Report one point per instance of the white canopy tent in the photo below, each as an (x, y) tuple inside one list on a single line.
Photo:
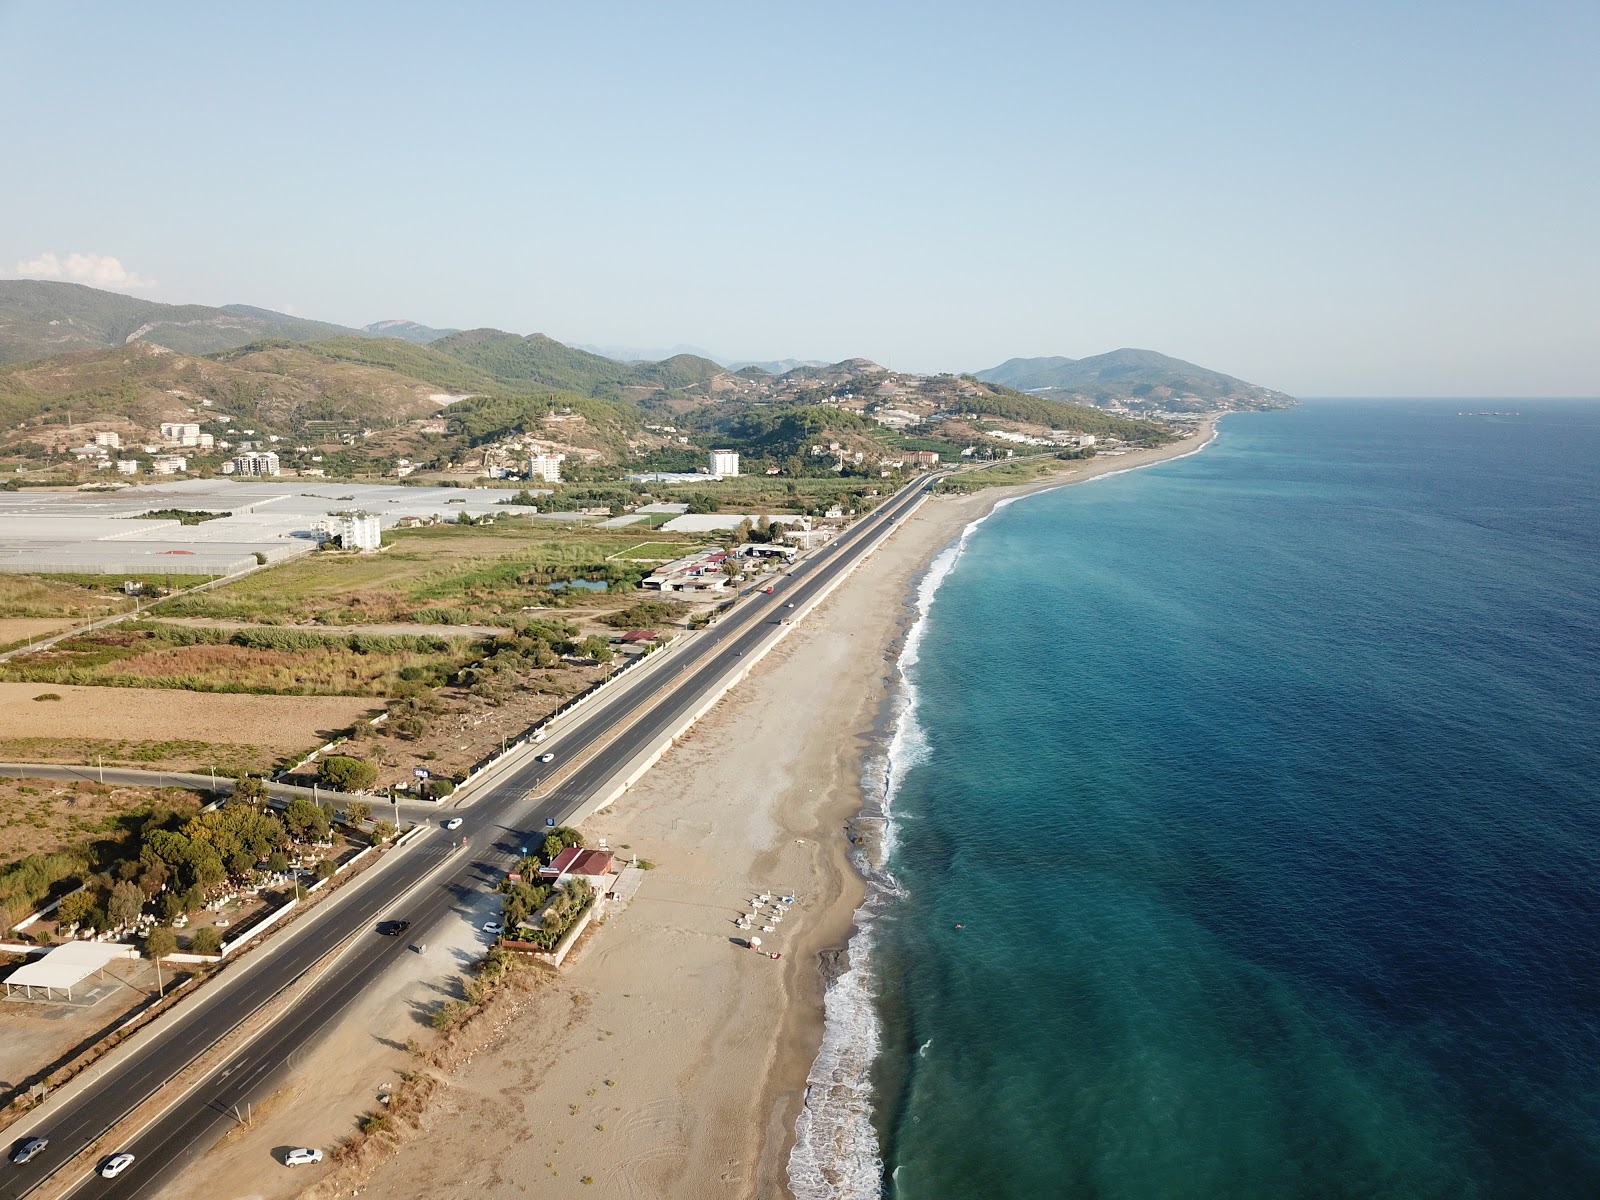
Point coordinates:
[(63, 968)]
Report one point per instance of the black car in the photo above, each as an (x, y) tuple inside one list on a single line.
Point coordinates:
[(393, 928), (28, 1149)]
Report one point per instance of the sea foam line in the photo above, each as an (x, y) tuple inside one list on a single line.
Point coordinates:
[(836, 1155)]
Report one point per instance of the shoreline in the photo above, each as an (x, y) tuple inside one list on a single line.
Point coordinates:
[(963, 515), (666, 1060)]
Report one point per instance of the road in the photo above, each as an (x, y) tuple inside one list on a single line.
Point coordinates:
[(220, 785), (423, 883)]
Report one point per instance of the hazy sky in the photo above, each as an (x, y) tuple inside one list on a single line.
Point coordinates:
[(1355, 198)]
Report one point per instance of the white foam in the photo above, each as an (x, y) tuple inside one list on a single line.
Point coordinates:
[(836, 1155)]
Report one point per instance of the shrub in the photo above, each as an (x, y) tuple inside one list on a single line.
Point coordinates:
[(325, 869), (160, 942), (48, 696), (205, 941), (347, 774)]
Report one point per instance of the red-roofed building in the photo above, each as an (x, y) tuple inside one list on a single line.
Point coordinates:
[(592, 866), (639, 635)]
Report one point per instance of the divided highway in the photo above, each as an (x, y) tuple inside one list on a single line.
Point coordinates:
[(423, 883)]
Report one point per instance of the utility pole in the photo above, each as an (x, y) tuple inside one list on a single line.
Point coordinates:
[(101, 760), (161, 987)]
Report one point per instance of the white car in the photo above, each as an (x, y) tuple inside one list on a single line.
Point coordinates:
[(116, 1165), (453, 823), (493, 927), (302, 1157), (547, 757)]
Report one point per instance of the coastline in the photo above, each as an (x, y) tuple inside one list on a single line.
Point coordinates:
[(667, 1060)]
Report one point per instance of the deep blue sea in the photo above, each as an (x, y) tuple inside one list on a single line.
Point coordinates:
[(1246, 832)]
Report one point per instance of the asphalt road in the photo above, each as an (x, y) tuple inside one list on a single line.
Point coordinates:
[(423, 883)]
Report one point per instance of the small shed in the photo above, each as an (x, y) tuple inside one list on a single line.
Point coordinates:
[(63, 968)]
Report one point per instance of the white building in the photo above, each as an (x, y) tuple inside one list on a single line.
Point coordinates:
[(180, 432), (546, 467), (109, 438), (724, 463), (168, 464), (128, 466), (260, 462), (355, 530)]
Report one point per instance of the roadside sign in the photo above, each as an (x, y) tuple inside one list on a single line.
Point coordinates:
[(550, 821), (420, 772)]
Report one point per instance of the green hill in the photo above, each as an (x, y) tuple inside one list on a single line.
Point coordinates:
[(41, 318), (420, 362), (278, 384), (406, 331), (1136, 379), (537, 361)]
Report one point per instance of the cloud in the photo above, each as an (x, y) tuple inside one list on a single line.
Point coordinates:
[(96, 270)]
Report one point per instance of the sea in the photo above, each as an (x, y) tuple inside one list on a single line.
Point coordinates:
[(1243, 831)]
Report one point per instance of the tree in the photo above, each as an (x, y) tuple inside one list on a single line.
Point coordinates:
[(125, 905), (206, 941), (305, 819), (346, 773), (250, 789), (557, 840), (160, 942), (75, 909), (357, 812), (382, 831), (325, 869), (277, 862)]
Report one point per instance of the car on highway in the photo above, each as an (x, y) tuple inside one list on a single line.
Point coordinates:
[(453, 823), (767, 589), (116, 1165), (547, 757), (29, 1150), (791, 604), (302, 1157), (393, 928), (493, 927)]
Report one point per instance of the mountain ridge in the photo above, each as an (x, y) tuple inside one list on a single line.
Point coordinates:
[(1133, 378)]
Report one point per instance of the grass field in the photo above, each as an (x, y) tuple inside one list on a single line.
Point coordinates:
[(444, 575), (268, 661), (656, 552), (58, 596)]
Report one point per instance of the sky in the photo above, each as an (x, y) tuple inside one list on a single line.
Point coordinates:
[(1396, 198)]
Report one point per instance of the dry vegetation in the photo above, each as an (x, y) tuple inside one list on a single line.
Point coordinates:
[(49, 816), (168, 730), (58, 597), (269, 661)]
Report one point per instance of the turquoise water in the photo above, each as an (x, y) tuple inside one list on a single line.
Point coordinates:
[(1262, 786)]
